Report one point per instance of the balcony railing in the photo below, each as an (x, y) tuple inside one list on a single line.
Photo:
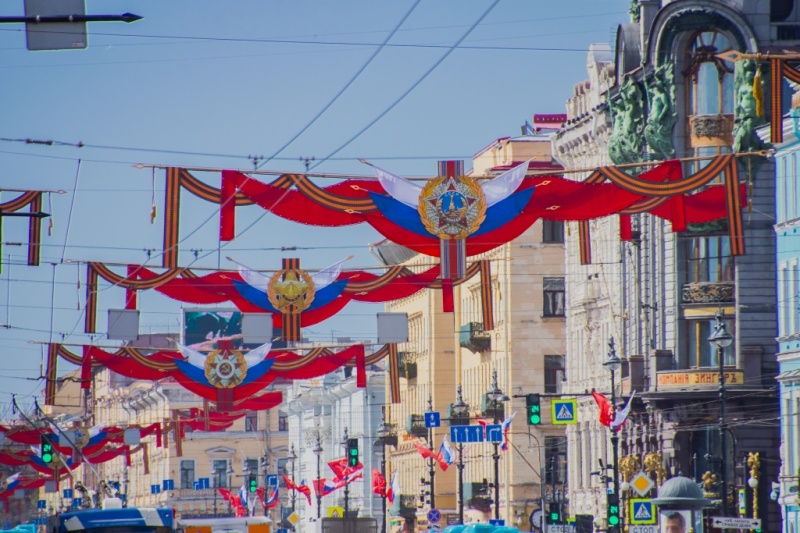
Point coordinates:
[(708, 292), (407, 365), (473, 337), (415, 426)]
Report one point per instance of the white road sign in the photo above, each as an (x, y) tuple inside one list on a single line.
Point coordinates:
[(732, 522), (643, 529)]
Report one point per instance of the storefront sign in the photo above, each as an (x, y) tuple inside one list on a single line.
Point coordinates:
[(692, 379)]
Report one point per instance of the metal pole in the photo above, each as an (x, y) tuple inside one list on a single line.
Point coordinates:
[(317, 488), (723, 429), (383, 473), (346, 485), (460, 483), (431, 465), (294, 492), (615, 441), (496, 457)]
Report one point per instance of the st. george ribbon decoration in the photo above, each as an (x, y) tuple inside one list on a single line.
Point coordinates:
[(295, 297), (456, 216), (231, 378)]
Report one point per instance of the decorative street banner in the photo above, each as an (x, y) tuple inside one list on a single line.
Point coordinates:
[(32, 200)]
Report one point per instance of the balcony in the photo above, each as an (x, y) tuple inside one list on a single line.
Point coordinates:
[(415, 426), (405, 505), (407, 365), (708, 292), (473, 337)]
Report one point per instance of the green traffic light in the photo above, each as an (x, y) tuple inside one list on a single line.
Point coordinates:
[(536, 419), (554, 517), (47, 458), (613, 520)]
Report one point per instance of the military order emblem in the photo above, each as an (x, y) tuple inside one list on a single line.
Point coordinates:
[(225, 369), (291, 290), (452, 208)]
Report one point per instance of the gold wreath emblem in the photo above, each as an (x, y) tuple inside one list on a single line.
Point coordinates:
[(225, 370), (291, 291), (452, 208), (81, 438)]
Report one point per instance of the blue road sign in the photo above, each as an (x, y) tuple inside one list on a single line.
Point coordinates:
[(41, 504), (494, 433), (434, 516), (497, 522), (563, 412), (68, 493), (272, 480), (433, 419), (155, 489), (168, 484), (205, 482), (461, 434), (197, 485), (76, 503), (642, 512)]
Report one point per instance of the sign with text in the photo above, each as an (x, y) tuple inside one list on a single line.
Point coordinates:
[(692, 379), (731, 522)]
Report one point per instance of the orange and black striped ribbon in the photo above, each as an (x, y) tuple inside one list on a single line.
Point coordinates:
[(35, 231), (291, 329), (176, 425), (394, 373), (585, 242), (90, 310), (130, 293), (776, 115), (172, 208), (734, 205), (51, 375), (487, 300)]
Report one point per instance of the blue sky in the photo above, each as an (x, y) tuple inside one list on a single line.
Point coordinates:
[(209, 83)]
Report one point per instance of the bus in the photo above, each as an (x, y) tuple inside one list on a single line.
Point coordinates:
[(113, 518), (246, 524)]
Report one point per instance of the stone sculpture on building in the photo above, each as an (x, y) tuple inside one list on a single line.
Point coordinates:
[(625, 144), (746, 120), (662, 115)]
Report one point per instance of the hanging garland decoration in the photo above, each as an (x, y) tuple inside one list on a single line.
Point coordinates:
[(322, 294), (32, 200), (455, 216), (93, 438), (225, 376)]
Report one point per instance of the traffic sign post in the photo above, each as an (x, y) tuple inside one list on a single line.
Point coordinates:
[(732, 522), (494, 433), (434, 516), (466, 434), (563, 412), (641, 511), (433, 419)]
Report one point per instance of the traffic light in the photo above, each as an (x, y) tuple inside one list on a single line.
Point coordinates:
[(554, 516), (532, 402), (352, 452), (613, 511), (253, 483), (46, 448)]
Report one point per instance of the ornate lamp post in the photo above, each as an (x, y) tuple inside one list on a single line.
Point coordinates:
[(292, 457), (265, 471), (385, 433), (720, 339), (460, 411), (318, 452), (613, 363), (496, 396), (229, 472), (347, 484)]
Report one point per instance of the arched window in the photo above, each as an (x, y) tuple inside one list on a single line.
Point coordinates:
[(709, 78)]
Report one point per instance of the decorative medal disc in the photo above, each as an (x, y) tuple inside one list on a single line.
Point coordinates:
[(291, 290), (227, 369), (452, 208)]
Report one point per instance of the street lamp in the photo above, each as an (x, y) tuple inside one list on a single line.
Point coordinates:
[(431, 463), (720, 339), (229, 471), (384, 433), (460, 411), (292, 457), (345, 441), (265, 471), (496, 396), (614, 363), (318, 452)]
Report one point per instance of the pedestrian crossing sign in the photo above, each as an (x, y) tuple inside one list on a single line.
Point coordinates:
[(641, 511), (563, 412)]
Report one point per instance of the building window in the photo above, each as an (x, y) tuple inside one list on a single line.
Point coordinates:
[(219, 473), (709, 259), (698, 349), (552, 231), (553, 297), (187, 474), (710, 78), (555, 460), (553, 373), (251, 421), (283, 422)]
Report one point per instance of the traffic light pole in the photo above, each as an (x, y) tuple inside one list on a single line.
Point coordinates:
[(431, 464), (347, 485)]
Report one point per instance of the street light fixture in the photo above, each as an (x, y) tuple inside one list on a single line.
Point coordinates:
[(496, 395), (614, 363), (720, 339), (460, 411), (292, 457), (318, 452), (385, 432)]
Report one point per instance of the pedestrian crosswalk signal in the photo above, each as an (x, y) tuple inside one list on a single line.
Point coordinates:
[(352, 452), (532, 402), (253, 483), (46, 449), (613, 510), (554, 517)]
